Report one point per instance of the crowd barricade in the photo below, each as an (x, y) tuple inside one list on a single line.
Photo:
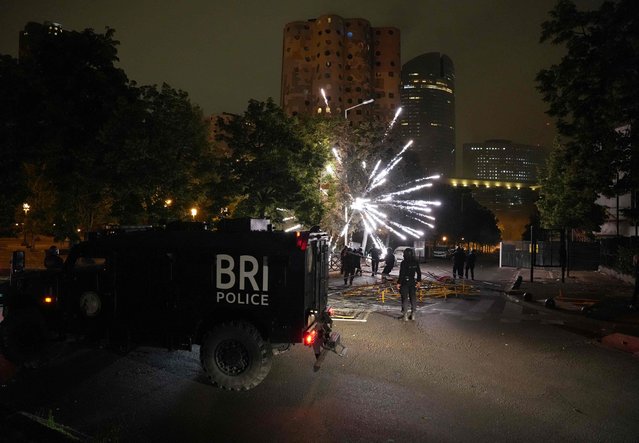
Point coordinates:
[(431, 286)]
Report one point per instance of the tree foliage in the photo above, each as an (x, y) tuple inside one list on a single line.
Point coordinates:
[(164, 135), (273, 162), (85, 146), (357, 151), (568, 193), (594, 95)]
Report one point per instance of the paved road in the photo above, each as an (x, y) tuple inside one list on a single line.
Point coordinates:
[(476, 368)]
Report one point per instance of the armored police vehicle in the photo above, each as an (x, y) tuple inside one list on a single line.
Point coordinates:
[(242, 292)]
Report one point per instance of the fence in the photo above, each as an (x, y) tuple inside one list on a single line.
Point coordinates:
[(582, 256)]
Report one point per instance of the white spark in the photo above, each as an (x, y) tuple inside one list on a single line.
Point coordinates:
[(324, 95), (293, 228), (337, 157), (370, 207)]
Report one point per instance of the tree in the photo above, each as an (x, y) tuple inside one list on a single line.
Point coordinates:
[(272, 163), (66, 88), (12, 180), (357, 150), (165, 136), (85, 146), (594, 95), (568, 193)]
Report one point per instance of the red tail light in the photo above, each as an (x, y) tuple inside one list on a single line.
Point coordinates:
[(310, 337), (302, 240)]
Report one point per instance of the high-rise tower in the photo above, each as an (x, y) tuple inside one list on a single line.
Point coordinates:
[(349, 60), (428, 115), (36, 31)]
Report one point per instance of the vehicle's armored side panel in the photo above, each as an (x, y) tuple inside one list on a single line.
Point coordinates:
[(239, 294), (176, 280)]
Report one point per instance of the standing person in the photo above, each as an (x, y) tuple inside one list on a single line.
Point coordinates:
[(459, 257), (342, 258), (635, 294), (358, 264), (470, 264), (374, 253), (409, 277), (390, 262), (349, 265)]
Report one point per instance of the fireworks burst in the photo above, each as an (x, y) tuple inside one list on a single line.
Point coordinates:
[(371, 207)]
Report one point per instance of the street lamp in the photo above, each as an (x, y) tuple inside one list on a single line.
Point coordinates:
[(25, 208), (370, 100), (193, 213)]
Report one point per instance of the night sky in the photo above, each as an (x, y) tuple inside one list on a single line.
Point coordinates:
[(224, 53)]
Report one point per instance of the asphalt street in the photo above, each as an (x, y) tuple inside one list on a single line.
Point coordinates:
[(474, 366)]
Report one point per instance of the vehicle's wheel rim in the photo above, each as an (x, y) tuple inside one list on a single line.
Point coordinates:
[(231, 357)]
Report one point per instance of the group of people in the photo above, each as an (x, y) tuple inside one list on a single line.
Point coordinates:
[(389, 261), (408, 280), (410, 274), (463, 261), (351, 262)]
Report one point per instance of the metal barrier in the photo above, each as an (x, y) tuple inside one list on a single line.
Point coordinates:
[(432, 286)]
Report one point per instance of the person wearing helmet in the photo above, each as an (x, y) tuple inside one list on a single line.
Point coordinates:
[(409, 279)]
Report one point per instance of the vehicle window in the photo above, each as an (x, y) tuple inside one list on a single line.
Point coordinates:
[(87, 263)]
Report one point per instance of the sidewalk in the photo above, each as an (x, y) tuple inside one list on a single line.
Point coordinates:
[(590, 300), (590, 303)]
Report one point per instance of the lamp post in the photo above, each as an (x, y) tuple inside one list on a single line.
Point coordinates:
[(370, 100), (193, 213), (25, 208)]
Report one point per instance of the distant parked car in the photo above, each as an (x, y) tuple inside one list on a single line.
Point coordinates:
[(441, 252), (399, 253)]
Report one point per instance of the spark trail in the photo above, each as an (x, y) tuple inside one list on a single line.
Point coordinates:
[(372, 207)]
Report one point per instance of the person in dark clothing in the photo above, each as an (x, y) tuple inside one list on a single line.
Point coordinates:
[(374, 253), (470, 264), (52, 259), (409, 277), (635, 294), (358, 264), (342, 258), (390, 262), (350, 262), (459, 257)]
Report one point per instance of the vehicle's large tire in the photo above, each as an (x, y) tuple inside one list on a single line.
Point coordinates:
[(235, 356), (23, 336)]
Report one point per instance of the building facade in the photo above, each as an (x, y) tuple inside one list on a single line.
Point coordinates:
[(348, 59), (503, 176), (502, 160), (428, 112), (34, 31)]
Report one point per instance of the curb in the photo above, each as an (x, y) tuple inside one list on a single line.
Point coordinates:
[(620, 341), (623, 342)]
